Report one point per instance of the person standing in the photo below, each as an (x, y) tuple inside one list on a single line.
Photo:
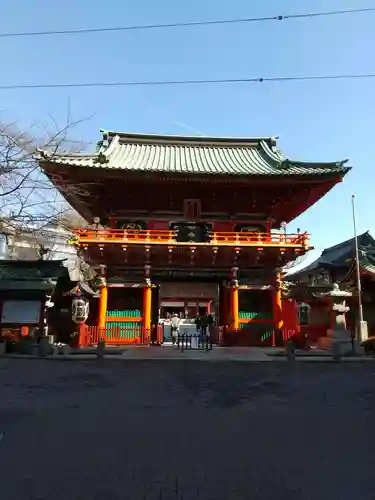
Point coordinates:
[(198, 322), (210, 322), (175, 324), (203, 326)]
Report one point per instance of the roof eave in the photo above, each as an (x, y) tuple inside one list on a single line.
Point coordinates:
[(336, 166)]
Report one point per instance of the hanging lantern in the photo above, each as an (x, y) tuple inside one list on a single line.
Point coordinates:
[(80, 309)]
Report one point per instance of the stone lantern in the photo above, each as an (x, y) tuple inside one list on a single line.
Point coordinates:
[(339, 339)]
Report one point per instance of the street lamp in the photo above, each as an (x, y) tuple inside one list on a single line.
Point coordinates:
[(362, 333)]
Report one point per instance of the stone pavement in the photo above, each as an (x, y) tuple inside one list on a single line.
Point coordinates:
[(216, 354), (123, 429)]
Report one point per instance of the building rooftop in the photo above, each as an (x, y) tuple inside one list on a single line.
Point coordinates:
[(31, 275), (25, 270), (194, 155), (341, 255)]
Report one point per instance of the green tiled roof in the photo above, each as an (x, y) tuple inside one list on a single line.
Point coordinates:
[(194, 155)]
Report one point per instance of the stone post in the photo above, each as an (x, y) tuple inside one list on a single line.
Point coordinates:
[(100, 350)]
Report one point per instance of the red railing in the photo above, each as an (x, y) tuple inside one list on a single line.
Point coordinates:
[(259, 239), (162, 237), (114, 335)]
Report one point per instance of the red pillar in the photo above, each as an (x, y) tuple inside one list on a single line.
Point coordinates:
[(102, 306), (235, 321), (277, 307), (147, 294), (235, 317), (147, 306)]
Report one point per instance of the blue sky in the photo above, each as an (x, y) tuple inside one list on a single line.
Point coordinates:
[(321, 120)]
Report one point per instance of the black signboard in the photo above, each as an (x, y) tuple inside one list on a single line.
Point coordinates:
[(195, 233)]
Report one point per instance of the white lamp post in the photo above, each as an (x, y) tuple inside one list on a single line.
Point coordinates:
[(362, 332)]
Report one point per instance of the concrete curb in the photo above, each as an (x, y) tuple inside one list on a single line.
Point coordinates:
[(189, 357)]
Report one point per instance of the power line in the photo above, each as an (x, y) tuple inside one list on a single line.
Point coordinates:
[(185, 24), (155, 83)]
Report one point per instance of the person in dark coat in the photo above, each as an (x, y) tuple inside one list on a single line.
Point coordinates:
[(201, 324)]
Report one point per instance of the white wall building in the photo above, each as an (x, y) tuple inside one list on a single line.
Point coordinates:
[(30, 243)]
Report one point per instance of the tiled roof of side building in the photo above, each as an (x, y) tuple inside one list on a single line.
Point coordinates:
[(338, 255), (194, 155), (31, 269)]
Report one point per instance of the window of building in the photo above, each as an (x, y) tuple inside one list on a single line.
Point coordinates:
[(21, 311)]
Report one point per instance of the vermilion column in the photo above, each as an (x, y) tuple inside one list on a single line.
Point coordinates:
[(147, 303), (103, 299), (235, 317), (277, 307), (234, 300)]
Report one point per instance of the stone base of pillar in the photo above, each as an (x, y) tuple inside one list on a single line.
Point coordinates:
[(358, 349)]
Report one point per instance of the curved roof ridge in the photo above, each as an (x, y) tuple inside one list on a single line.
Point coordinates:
[(48, 155), (273, 153), (186, 139), (107, 151), (349, 240)]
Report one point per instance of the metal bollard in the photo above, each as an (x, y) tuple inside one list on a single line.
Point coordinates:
[(290, 351), (44, 347), (3, 348)]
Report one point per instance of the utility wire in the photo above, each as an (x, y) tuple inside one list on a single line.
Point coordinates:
[(155, 83), (185, 24)]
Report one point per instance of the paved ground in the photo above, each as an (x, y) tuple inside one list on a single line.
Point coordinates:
[(122, 429), (216, 354)]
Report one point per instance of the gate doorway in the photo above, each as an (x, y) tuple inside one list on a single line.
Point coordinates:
[(187, 300)]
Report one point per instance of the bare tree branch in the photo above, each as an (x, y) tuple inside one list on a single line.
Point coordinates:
[(29, 203), (26, 194)]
